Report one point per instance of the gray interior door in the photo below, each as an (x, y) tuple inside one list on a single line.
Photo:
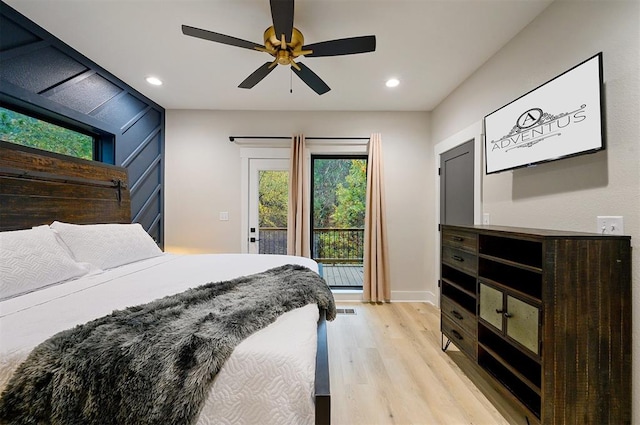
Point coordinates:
[(456, 185)]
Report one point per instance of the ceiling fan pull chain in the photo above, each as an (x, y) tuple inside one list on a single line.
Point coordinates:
[(290, 80)]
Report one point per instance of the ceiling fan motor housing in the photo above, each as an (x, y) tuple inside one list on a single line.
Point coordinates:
[(284, 54)]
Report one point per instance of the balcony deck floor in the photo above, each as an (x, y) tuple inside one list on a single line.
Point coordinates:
[(343, 275)]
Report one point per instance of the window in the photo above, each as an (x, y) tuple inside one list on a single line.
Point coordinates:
[(29, 131)]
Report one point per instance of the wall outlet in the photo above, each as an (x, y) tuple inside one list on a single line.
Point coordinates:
[(224, 216), (486, 218), (610, 225)]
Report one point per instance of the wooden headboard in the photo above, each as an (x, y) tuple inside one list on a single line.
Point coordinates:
[(38, 187)]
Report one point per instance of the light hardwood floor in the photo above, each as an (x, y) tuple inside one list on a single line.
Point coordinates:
[(387, 367)]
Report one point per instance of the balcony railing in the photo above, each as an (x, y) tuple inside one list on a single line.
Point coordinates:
[(329, 246), (273, 240), (333, 246)]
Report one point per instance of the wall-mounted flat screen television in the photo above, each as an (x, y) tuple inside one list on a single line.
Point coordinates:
[(558, 119)]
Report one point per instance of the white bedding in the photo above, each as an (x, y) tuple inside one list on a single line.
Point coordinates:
[(268, 379)]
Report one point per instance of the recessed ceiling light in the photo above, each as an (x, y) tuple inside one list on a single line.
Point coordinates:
[(392, 82), (154, 81)]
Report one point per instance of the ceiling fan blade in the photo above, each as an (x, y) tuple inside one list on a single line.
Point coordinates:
[(343, 46), (282, 15), (257, 75), (219, 38), (311, 79)]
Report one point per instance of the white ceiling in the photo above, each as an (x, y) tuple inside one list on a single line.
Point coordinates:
[(431, 46)]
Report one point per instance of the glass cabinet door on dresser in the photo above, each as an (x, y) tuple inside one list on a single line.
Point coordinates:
[(510, 316), (523, 322), (531, 307), (492, 306)]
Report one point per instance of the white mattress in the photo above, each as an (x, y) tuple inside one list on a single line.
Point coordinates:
[(268, 379)]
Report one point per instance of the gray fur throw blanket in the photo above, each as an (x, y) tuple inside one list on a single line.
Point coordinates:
[(154, 363)]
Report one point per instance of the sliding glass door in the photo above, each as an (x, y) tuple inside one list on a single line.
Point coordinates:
[(338, 193)]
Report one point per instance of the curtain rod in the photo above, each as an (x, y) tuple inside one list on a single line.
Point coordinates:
[(233, 138)]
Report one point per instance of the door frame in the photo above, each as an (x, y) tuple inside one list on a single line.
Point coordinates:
[(473, 132)]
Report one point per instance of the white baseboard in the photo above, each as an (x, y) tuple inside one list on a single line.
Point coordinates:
[(349, 295), (409, 296), (433, 298)]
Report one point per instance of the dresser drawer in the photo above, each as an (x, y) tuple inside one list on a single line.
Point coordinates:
[(460, 338), (462, 317), (460, 260), (459, 239)]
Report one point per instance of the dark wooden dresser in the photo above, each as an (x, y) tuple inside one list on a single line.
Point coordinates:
[(547, 314)]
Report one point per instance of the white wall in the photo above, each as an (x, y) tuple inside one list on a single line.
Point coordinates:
[(566, 194), (203, 178)]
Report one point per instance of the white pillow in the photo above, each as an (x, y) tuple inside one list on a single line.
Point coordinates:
[(32, 259), (107, 245)]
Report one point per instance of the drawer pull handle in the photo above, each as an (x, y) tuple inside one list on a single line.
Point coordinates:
[(457, 334), (458, 258), (499, 311), (458, 239), (457, 315), (507, 315)]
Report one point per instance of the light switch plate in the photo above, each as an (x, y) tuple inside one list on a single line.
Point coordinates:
[(224, 216), (610, 225)]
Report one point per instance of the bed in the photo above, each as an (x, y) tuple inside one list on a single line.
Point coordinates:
[(279, 374)]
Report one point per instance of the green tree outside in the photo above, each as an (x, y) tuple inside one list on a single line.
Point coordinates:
[(349, 209), (28, 131), (273, 197), (327, 174)]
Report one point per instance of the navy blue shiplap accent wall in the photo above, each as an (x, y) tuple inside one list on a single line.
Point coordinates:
[(41, 75)]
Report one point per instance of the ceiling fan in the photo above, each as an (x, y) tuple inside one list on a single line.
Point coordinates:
[(285, 43)]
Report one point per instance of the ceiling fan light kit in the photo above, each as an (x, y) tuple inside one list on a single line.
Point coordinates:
[(285, 44)]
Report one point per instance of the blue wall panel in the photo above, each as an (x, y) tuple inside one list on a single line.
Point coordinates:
[(145, 188), (149, 154), (86, 94), (120, 110), (136, 134), (38, 70)]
